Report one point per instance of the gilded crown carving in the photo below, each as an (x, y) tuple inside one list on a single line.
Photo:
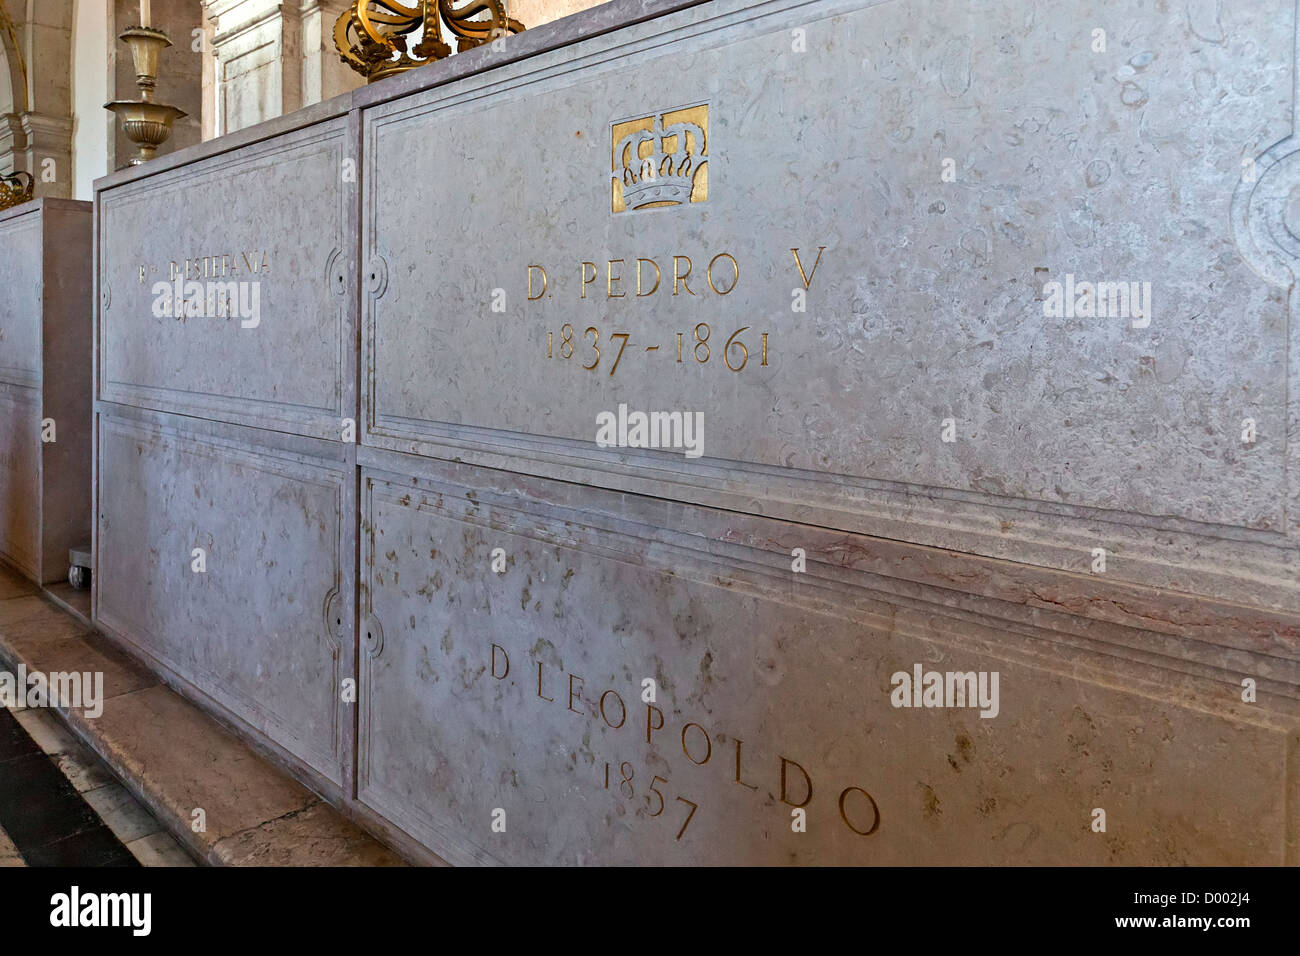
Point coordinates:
[(665, 174)]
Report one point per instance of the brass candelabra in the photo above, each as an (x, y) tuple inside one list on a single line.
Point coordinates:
[(145, 122)]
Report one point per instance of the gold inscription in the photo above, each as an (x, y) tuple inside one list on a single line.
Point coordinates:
[(734, 354), (722, 276), (658, 276), (681, 275), (640, 161), (735, 268), (808, 277), (226, 265), (541, 292), (610, 279), (857, 808)]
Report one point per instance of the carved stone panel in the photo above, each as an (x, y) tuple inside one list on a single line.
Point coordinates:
[(627, 683), (260, 255), (224, 556), (45, 385), (20, 473), (962, 280), (20, 305), (724, 379)]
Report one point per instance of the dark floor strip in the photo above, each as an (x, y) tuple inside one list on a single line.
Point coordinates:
[(47, 820)]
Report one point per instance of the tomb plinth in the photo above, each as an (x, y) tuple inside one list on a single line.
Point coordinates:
[(223, 545), (736, 433), (46, 274)]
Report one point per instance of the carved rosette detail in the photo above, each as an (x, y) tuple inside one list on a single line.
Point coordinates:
[(336, 273), (377, 276), (372, 637), (1268, 242)]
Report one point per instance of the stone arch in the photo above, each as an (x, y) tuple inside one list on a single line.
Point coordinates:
[(13, 92), (38, 126), (8, 74), (13, 80)]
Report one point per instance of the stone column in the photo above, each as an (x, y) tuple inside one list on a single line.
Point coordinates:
[(13, 90), (13, 141), (257, 44), (36, 134), (48, 153), (209, 81), (324, 74)]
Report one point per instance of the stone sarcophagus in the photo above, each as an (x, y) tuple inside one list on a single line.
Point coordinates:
[(46, 276), (904, 486), (820, 433), (224, 378)]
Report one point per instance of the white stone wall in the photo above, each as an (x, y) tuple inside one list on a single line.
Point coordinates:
[(260, 59), (533, 13), (271, 58), (91, 123), (276, 56)]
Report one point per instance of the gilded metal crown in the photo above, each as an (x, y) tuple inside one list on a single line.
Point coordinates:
[(373, 36), (660, 176), (16, 189)]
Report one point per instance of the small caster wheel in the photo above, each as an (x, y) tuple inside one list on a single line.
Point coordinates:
[(79, 577)]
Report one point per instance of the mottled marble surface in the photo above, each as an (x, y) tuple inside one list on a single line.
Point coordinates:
[(927, 306), (523, 691), (829, 125), (273, 235), (171, 756), (46, 274), (259, 627)]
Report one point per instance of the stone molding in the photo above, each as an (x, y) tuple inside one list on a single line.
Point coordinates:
[(1186, 609), (1266, 206)]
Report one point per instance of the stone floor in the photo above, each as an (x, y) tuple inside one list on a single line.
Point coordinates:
[(152, 759), (60, 805)]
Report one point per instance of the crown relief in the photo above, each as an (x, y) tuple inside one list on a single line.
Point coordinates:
[(666, 174)]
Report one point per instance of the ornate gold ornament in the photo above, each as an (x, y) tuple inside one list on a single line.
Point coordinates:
[(14, 191), (146, 123), (373, 36), (661, 159)]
